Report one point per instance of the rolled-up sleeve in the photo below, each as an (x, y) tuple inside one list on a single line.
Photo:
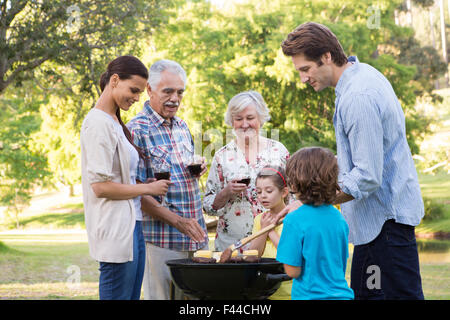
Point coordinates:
[(99, 143), (143, 168), (363, 127)]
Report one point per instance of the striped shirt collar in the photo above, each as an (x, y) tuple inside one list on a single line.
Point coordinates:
[(155, 118), (346, 75)]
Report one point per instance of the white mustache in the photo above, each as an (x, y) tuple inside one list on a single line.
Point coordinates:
[(171, 104)]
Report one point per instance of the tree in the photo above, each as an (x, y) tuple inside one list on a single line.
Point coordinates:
[(33, 32), (52, 54), (239, 49), (23, 166)]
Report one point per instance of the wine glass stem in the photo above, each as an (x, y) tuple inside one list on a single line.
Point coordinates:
[(163, 201)]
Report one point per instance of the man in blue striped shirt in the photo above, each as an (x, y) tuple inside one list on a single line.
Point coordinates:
[(380, 194)]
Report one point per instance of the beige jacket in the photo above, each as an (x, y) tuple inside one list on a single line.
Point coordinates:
[(104, 157)]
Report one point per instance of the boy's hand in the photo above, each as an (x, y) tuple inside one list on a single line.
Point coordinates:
[(289, 208)]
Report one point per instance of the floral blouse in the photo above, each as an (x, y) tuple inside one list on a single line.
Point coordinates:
[(236, 217)]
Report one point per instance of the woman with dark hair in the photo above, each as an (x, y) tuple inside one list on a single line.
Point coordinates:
[(111, 196), (314, 242)]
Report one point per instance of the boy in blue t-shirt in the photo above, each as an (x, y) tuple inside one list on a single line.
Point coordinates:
[(314, 242)]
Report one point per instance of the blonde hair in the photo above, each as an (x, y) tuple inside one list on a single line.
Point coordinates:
[(241, 101)]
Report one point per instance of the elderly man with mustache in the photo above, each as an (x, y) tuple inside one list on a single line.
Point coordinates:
[(176, 229)]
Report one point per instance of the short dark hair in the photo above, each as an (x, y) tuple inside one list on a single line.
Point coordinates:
[(313, 40), (312, 175)]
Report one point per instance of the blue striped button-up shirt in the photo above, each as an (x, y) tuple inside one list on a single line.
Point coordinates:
[(375, 162)]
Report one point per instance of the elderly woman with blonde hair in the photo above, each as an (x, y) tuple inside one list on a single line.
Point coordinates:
[(230, 188)]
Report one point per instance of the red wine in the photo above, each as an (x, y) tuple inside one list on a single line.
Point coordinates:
[(162, 175), (246, 181), (195, 169)]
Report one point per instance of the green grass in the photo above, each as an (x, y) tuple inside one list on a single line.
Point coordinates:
[(436, 281), (66, 216), (37, 267), (436, 187)]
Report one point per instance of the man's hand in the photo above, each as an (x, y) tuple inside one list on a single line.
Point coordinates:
[(204, 167), (342, 197), (191, 228), (289, 208)]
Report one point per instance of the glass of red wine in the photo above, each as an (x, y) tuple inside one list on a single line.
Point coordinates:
[(161, 171), (244, 180), (195, 165), (244, 175)]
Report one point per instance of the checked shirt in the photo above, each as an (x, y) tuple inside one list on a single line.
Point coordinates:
[(170, 143)]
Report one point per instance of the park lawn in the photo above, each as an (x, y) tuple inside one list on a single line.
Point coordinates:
[(435, 280), (38, 267), (46, 267), (64, 216), (436, 187)]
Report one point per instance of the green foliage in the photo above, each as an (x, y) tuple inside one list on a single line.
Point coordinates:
[(238, 49), (65, 47), (3, 247), (22, 165), (424, 3), (434, 209), (70, 34)]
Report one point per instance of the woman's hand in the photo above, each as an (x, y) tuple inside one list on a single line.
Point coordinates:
[(234, 187), (231, 189), (157, 188)]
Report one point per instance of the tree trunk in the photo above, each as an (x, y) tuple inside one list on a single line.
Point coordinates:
[(433, 38), (443, 38), (409, 13)]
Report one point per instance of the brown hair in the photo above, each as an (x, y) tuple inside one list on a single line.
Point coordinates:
[(276, 174), (314, 40), (313, 174), (125, 67)]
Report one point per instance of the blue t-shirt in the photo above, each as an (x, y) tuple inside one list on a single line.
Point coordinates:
[(316, 239)]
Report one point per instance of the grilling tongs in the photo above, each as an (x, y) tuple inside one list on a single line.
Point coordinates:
[(226, 254)]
